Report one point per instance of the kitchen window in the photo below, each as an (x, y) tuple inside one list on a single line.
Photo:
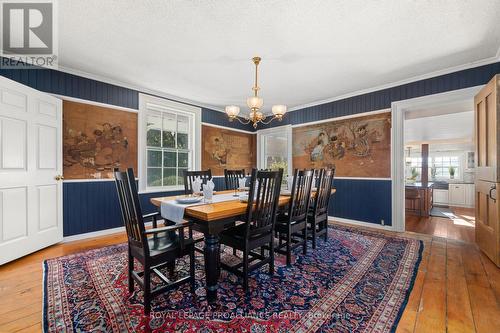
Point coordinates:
[(169, 132), (440, 164)]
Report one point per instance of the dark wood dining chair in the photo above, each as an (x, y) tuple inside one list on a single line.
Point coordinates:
[(189, 177), (291, 226), (318, 215), (154, 248), (232, 178), (257, 228)]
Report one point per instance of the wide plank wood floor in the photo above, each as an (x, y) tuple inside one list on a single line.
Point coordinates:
[(460, 227), (457, 289)]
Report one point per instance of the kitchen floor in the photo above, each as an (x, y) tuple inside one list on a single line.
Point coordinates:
[(459, 227)]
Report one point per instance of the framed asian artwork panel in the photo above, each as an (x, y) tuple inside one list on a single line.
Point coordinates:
[(227, 149), (96, 140), (356, 147)]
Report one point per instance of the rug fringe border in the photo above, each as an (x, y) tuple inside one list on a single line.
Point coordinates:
[(409, 290), (45, 323)]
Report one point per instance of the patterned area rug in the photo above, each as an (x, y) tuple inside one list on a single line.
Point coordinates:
[(357, 281)]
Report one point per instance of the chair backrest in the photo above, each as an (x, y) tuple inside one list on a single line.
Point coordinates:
[(323, 192), (263, 200), (189, 177), (232, 178), (128, 196), (300, 195)]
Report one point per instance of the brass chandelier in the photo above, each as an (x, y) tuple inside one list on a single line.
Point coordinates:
[(255, 104)]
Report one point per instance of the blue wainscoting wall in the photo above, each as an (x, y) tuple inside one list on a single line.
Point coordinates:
[(362, 200), (92, 206)]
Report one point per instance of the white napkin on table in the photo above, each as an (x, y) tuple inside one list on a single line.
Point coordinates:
[(197, 185), (208, 190), (242, 182)]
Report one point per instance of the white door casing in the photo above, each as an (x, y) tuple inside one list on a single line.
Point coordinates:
[(30, 161), (398, 110)]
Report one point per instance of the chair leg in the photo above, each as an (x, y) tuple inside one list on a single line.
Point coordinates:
[(304, 246), (313, 227), (147, 289), (271, 257), (130, 269), (192, 271), (326, 231), (245, 270), (171, 268), (288, 248)]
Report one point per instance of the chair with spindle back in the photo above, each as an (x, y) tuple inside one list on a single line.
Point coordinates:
[(232, 178), (257, 229), (291, 226), (318, 215), (154, 248), (190, 176)]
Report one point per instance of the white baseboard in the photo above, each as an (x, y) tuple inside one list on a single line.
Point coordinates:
[(97, 233), (360, 223), (122, 229)]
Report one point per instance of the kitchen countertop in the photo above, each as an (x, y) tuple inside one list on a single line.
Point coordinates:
[(419, 185)]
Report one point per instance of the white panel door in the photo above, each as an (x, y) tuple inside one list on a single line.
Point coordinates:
[(30, 163)]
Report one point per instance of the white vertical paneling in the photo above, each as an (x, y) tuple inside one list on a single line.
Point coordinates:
[(14, 139), (47, 109), (30, 160), (15, 99), (47, 147), (47, 206), (14, 213)]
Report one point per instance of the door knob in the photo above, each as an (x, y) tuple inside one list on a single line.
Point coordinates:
[(59, 177)]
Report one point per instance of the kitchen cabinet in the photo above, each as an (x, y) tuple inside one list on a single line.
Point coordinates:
[(456, 195), (440, 197), (470, 194)]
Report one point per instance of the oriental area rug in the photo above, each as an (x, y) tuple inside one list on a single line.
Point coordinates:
[(356, 281)]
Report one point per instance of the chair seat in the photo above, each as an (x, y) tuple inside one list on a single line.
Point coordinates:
[(166, 242), (282, 223), (235, 237)]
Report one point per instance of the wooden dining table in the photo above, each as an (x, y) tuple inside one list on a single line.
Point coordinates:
[(211, 219)]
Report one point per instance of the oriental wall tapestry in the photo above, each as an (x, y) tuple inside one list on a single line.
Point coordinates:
[(357, 147), (96, 140), (227, 149)]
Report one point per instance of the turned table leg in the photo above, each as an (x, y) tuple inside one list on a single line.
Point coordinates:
[(212, 266)]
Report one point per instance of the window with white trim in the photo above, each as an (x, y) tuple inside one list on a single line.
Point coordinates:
[(169, 132), (275, 149)]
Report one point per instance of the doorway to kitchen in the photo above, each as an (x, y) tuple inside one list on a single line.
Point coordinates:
[(435, 184)]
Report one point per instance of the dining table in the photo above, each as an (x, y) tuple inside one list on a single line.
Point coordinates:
[(211, 219)]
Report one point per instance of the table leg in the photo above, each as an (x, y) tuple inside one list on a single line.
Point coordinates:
[(212, 266)]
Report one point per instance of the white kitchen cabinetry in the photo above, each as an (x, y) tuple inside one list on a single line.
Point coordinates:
[(440, 197), (457, 194), (461, 195), (470, 195)]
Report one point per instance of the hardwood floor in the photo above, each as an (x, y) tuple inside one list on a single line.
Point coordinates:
[(457, 289), (461, 227)]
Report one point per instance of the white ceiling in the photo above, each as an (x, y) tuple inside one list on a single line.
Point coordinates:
[(311, 50), (456, 128)]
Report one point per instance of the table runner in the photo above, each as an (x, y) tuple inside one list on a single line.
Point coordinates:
[(174, 211)]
